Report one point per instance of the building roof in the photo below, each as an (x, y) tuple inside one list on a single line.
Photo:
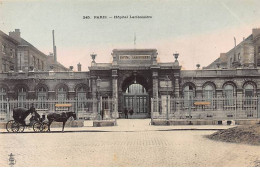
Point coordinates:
[(8, 37)]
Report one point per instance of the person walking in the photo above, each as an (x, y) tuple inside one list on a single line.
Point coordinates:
[(131, 112), (126, 113)]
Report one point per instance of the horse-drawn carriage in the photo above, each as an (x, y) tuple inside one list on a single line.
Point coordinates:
[(36, 122), (18, 124)]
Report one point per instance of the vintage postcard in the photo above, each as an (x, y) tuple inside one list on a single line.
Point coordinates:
[(122, 83)]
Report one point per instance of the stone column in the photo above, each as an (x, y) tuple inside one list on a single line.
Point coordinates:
[(115, 93), (155, 100), (155, 85), (239, 93), (199, 92), (71, 95), (219, 95), (177, 87), (94, 93)]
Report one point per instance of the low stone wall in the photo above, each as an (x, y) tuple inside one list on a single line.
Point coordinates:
[(247, 122), (2, 125), (184, 122), (205, 122), (101, 123)]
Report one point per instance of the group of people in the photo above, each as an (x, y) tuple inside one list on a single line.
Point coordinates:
[(128, 111)]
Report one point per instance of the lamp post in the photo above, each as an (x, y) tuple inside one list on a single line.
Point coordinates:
[(167, 85), (98, 94)]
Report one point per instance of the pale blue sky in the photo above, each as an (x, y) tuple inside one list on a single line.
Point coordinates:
[(198, 29)]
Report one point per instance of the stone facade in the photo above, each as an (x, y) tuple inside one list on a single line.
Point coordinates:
[(19, 55), (8, 53), (244, 55), (135, 76)]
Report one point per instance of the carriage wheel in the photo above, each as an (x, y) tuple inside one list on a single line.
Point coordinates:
[(37, 127), (9, 125), (21, 128), (15, 127), (44, 127)]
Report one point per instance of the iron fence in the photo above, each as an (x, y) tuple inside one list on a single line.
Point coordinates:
[(85, 109), (204, 108)]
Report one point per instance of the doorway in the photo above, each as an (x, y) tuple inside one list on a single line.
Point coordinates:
[(136, 99)]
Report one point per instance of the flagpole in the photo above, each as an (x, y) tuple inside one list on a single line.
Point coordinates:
[(134, 40)]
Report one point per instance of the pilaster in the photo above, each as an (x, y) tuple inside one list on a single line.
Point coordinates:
[(115, 92)]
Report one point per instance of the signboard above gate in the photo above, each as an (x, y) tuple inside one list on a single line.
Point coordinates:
[(134, 57)]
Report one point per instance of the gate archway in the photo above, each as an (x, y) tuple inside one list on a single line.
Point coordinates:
[(136, 97)]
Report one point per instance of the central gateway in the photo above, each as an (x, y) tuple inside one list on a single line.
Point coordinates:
[(132, 79), (135, 96)]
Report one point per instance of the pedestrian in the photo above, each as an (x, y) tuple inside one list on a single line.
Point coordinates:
[(102, 114), (131, 111), (126, 113)]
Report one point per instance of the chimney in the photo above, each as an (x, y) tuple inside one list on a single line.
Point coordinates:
[(16, 34), (79, 67), (256, 32), (54, 47)]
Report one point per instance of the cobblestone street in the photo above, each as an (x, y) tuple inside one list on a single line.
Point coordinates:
[(131, 143)]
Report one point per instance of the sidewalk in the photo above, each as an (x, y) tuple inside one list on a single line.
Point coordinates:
[(134, 125)]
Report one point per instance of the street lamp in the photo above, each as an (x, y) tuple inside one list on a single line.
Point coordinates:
[(98, 94), (167, 85)]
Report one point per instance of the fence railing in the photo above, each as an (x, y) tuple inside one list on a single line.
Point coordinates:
[(205, 108), (85, 109)]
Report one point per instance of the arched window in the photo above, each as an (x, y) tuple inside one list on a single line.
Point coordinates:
[(135, 89), (189, 93), (229, 91), (229, 94), (249, 90), (42, 93), (208, 92), (3, 94), (22, 94), (82, 93), (62, 93)]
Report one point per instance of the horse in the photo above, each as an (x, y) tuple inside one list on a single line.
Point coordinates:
[(63, 117), (20, 114)]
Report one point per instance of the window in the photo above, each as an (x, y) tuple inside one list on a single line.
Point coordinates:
[(42, 97), (229, 94), (82, 93), (62, 94), (4, 66), (208, 92), (2, 94), (82, 96), (42, 94), (239, 57), (38, 64), (42, 65), (188, 95), (249, 93), (12, 53), (249, 90), (21, 96), (34, 62), (135, 89), (3, 49)]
